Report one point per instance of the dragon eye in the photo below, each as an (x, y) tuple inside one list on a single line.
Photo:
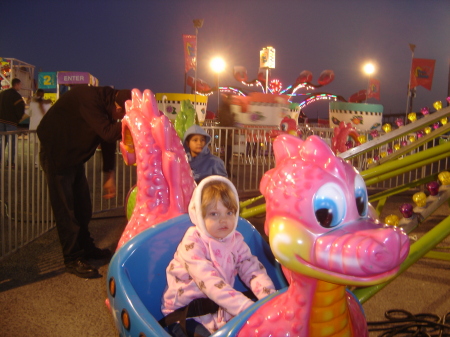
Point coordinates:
[(361, 195), (329, 205)]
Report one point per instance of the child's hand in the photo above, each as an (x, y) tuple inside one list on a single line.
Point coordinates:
[(109, 186)]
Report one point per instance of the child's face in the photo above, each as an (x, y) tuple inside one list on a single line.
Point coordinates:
[(219, 220), (196, 144)]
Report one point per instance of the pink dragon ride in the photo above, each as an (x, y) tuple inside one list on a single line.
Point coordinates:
[(321, 231), (318, 220)]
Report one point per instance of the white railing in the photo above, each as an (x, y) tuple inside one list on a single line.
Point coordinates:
[(25, 211)]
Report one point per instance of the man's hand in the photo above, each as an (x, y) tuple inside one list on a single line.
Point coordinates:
[(109, 186)]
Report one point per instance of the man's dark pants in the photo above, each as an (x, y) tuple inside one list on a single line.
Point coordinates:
[(72, 208)]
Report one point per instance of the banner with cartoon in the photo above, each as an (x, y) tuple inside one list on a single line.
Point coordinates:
[(190, 49), (422, 71)]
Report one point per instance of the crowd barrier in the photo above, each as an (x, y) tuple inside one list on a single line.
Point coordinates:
[(25, 211)]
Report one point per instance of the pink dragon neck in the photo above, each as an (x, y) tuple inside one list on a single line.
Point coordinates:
[(164, 177), (309, 307)]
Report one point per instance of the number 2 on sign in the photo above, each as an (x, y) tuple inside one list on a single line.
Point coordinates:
[(47, 80)]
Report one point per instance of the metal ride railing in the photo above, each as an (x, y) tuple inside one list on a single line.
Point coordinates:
[(25, 211), (360, 156), (424, 245), (247, 154)]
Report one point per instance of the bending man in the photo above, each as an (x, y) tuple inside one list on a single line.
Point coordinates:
[(70, 132)]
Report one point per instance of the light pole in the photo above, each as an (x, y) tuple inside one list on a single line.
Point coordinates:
[(267, 61), (217, 65), (409, 96), (198, 23), (368, 69)]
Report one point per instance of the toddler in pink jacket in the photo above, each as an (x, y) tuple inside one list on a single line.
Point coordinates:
[(208, 259)]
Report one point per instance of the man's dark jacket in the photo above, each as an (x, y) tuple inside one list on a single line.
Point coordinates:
[(79, 121), (12, 107)]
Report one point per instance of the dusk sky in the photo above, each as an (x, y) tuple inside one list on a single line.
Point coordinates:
[(138, 44)]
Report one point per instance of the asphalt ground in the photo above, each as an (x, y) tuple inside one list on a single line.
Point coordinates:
[(38, 298)]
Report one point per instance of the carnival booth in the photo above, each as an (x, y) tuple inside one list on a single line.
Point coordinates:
[(13, 68), (66, 79), (170, 104), (263, 110), (362, 116), (56, 83)]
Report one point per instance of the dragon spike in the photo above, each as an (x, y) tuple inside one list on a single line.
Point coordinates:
[(285, 148), (136, 97), (316, 151), (150, 104)]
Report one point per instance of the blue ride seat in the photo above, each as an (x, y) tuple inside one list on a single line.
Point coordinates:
[(137, 276)]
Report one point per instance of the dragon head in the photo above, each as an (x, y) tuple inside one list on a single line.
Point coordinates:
[(318, 218)]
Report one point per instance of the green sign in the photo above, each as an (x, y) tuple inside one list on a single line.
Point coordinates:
[(47, 80)]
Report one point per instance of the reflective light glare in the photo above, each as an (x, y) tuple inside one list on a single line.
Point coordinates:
[(369, 68), (217, 64)]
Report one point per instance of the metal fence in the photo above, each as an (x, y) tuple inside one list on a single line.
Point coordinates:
[(25, 211), (250, 154)]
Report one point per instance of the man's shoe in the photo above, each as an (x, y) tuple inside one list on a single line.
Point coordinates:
[(98, 254), (81, 269)]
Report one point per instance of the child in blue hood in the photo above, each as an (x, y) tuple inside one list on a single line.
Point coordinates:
[(203, 162)]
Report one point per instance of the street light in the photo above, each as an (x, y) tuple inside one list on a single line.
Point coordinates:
[(217, 65), (198, 23), (368, 69)]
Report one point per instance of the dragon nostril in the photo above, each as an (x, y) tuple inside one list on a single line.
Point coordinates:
[(381, 257)]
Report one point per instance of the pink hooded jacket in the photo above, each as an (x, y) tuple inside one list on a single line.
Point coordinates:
[(206, 267)]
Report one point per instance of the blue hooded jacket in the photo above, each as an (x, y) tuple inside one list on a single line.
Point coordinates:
[(205, 163)]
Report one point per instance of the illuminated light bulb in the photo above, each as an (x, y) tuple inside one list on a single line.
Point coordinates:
[(436, 125), (362, 139), (391, 220), (376, 158), (404, 143), (420, 198), (420, 134), (383, 154), (389, 150), (412, 116), (425, 111), (387, 127), (406, 210), (399, 122), (427, 130), (448, 99), (433, 187), (444, 120), (348, 144), (412, 138), (437, 105), (374, 133), (369, 161), (396, 147), (444, 178)]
